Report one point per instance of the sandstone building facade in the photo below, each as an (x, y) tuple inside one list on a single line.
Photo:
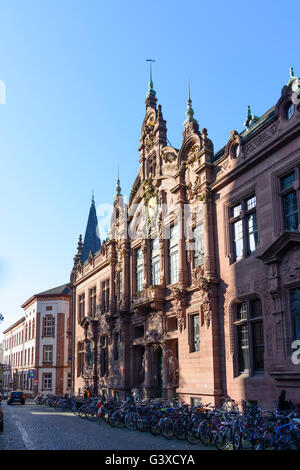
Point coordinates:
[(196, 293)]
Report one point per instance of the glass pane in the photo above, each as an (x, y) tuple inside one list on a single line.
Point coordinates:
[(252, 232), (290, 211), (255, 308), (295, 312), (196, 332), (242, 311), (238, 238), (287, 181), (251, 203), (258, 345), (235, 211), (244, 347)]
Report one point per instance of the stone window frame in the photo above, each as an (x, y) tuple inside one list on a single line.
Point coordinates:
[(105, 293), (234, 340), (80, 358), (92, 301), (227, 206), (278, 215), (81, 306)]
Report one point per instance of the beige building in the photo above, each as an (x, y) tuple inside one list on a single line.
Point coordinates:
[(37, 348)]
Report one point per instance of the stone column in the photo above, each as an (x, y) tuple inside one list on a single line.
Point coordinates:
[(148, 370)]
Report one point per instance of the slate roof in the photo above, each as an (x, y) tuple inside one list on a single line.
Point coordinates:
[(60, 290), (92, 241)]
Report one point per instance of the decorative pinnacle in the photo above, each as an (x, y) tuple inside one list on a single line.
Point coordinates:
[(118, 187), (93, 198), (189, 110), (251, 118), (151, 90)]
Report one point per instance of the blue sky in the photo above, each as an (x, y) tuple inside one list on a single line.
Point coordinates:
[(76, 77)]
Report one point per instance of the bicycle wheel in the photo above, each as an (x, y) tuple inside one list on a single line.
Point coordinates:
[(167, 429), (179, 427), (192, 433), (131, 420), (205, 434), (81, 412), (223, 438), (91, 414), (251, 439), (154, 426), (141, 424)]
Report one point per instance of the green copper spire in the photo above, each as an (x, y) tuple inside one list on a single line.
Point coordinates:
[(151, 90), (118, 187), (189, 110)]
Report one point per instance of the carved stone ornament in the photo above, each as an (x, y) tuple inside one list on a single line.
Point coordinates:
[(180, 298), (205, 290), (149, 134), (91, 259), (149, 190), (205, 196), (169, 156), (192, 191), (193, 154)]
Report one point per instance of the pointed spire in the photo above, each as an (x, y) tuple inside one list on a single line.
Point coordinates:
[(189, 110), (92, 241), (251, 119), (118, 187), (150, 96)]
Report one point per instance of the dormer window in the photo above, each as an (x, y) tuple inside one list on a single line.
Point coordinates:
[(289, 111)]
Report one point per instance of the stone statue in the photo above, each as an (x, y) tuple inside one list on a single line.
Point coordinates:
[(173, 370)]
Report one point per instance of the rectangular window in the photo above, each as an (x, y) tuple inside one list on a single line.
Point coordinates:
[(244, 347), (258, 345), (139, 270), (173, 255), (69, 382), (49, 324), (47, 379), (199, 245), (295, 312), (250, 335), (195, 333), (81, 306), (155, 262), (289, 202), (92, 301), (105, 296), (244, 230), (48, 354)]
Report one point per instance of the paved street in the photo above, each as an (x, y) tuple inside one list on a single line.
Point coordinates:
[(33, 427)]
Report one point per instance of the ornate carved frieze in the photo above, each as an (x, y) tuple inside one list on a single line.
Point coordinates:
[(258, 141)]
